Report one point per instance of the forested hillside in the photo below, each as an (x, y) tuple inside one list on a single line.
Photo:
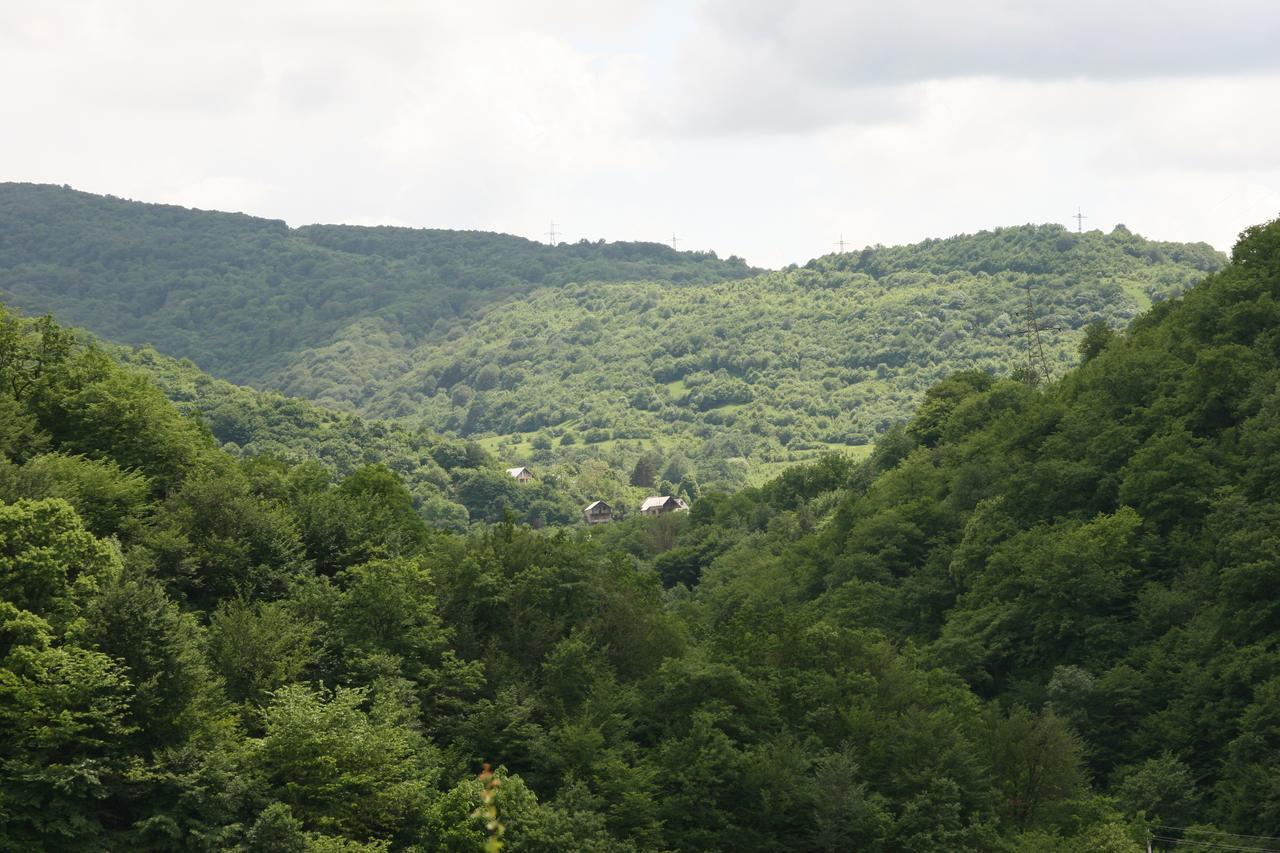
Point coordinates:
[(452, 481), (1039, 617), (1103, 551), (245, 297), (745, 376), (831, 354), (580, 353)]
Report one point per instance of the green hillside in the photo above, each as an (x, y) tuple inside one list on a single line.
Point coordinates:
[(1102, 551), (245, 297), (453, 482), (583, 354), (1036, 618), (772, 367)]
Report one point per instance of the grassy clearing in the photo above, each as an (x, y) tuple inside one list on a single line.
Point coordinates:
[(1134, 291), (762, 472)]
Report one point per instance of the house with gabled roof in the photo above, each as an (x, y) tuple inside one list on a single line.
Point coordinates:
[(521, 473), (662, 504), (597, 512)]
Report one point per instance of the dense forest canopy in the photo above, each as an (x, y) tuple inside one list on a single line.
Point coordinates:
[(452, 481), (826, 356), (1036, 617), (580, 353), (245, 297)]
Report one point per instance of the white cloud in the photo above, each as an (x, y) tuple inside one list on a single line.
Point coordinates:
[(761, 129), (866, 41), (843, 62)]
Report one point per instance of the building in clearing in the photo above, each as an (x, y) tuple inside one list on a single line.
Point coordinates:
[(597, 512), (522, 474), (661, 505)]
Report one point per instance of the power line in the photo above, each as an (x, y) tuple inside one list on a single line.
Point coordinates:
[(1210, 845), (1035, 343), (674, 240), (552, 234), (1166, 828), (1079, 218), (840, 243)]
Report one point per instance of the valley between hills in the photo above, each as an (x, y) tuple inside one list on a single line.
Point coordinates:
[(977, 548)]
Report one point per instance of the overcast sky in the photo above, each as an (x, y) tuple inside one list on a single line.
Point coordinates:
[(762, 129)]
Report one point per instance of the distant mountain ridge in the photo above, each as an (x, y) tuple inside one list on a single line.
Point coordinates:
[(1038, 617), (779, 364), (586, 351), (241, 295)]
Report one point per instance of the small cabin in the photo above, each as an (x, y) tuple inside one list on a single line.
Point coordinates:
[(522, 474), (597, 512), (661, 505)]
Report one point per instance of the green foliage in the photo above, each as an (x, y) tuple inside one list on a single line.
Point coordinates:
[(1096, 554), (139, 626), (216, 539), (449, 482), (645, 473), (779, 364), (593, 350), (62, 729), (259, 647), (146, 273), (1033, 619), (1036, 761), (343, 768), (1096, 337), (1161, 788), (49, 564), (107, 498), (389, 606)]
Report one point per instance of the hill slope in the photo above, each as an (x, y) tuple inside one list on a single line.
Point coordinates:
[(1036, 619), (452, 481), (243, 296), (1104, 549), (831, 354), (558, 356)]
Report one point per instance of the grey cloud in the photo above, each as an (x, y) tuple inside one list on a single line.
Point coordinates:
[(875, 43), (764, 66), (750, 102)]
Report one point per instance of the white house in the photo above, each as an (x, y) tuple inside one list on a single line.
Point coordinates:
[(661, 505)]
